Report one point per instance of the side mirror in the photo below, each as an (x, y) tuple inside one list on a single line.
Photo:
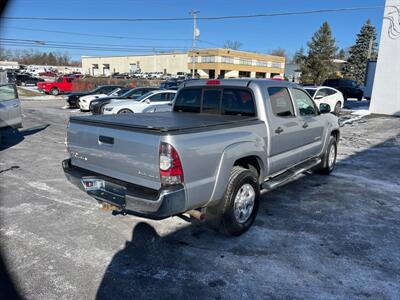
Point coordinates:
[(147, 101), (319, 97), (324, 108)]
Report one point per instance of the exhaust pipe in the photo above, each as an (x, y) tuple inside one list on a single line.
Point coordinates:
[(196, 214)]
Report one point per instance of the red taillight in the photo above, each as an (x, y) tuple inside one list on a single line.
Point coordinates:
[(171, 171), (213, 82)]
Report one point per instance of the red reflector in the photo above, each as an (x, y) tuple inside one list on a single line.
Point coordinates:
[(213, 82)]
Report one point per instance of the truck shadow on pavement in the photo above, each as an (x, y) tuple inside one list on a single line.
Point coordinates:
[(317, 237), (12, 137)]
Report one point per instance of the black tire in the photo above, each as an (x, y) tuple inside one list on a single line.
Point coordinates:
[(326, 167), (125, 111), (222, 217), (337, 108), (54, 92)]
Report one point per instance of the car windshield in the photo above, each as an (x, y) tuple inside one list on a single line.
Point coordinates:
[(141, 98), (96, 90), (122, 92), (311, 92), (113, 92)]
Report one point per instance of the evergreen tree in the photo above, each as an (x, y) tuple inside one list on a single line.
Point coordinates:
[(365, 48), (318, 65), (341, 54)]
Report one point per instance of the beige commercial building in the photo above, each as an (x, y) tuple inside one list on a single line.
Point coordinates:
[(161, 62), (208, 63)]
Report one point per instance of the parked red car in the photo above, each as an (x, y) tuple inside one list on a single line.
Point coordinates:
[(61, 85)]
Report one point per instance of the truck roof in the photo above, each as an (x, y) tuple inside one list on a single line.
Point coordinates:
[(239, 82)]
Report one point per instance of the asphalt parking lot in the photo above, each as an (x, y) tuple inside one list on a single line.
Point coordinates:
[(330, 237)]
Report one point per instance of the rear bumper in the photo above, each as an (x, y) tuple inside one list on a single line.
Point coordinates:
[(129, 198)]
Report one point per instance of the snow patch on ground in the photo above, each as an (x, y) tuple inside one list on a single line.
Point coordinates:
[(378, 184), (361, 112), (44, 97)]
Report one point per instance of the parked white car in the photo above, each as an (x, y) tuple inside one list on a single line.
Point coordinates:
[(157, 98), (328, 95), (84, 101)]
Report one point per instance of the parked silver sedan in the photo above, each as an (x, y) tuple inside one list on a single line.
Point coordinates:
[(10, 107)]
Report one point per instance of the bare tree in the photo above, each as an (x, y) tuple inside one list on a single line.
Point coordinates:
[(234, 45), (278, 52), (32, 57)]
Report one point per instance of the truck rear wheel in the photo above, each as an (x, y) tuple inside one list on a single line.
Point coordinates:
[(238, 209)]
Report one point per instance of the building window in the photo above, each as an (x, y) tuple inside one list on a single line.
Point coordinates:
[(208, 59), (244, 61), (261, 63), (227, 60), (275, 65)]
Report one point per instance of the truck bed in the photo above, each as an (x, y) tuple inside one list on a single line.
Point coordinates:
[(165, 122)]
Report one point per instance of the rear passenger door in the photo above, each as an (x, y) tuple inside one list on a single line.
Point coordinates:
[(312, 128), (284, 130)]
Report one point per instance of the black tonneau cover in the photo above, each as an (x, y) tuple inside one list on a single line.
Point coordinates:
[(165, 122)]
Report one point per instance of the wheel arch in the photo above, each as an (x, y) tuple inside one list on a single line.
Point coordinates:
[(245, 154)]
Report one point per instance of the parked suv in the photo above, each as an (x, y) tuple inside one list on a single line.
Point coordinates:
[(349, 88)]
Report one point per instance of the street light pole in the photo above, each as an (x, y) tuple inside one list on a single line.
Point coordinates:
[(195, 30)]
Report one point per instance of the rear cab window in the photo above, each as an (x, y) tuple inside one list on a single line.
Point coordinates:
[(224, 101)]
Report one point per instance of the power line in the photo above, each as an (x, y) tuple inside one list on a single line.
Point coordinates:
[(44, 42), (94, 48), (263, 15), (112, 36), (99, 35)]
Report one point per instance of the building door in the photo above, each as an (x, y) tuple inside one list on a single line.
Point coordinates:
[(95, 69), (211, 74), (222, 74), (260, 74), (244, 74)]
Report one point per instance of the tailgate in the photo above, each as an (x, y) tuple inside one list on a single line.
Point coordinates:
[(127, 155)]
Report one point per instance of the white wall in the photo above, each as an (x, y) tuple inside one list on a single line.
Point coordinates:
[(172, 62), (386, 91)]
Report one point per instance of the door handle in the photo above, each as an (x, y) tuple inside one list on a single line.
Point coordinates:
[(106, 140), (279, 130), (305, 125)]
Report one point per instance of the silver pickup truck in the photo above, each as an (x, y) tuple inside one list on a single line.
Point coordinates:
[(223, 142)]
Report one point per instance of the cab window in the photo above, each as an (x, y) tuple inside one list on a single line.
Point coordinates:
[(281, 103), (211, 100), (304, 103), (238, 102), (188, 100)]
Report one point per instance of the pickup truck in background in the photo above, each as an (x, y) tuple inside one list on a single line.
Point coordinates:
[(223, 142), (61, 85)]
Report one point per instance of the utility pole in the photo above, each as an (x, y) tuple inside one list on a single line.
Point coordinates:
[(195, 35)]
